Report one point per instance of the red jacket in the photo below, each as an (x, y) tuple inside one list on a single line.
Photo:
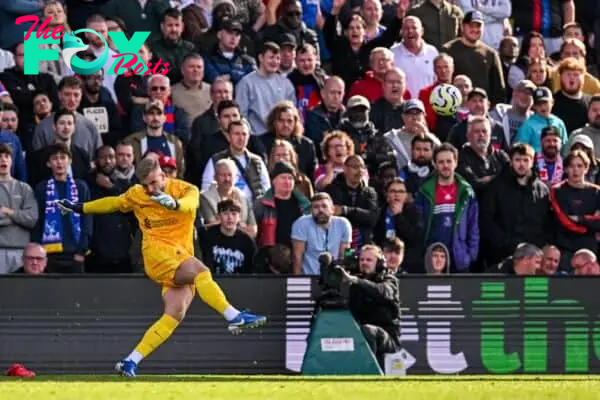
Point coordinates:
[(371, 88)]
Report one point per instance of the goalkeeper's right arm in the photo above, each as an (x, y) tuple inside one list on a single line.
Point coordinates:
[(105, 205)]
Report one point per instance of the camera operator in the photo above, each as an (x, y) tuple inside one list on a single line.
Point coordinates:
[(374, 301)]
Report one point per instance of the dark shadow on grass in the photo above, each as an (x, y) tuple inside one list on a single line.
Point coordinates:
[(305, 379)]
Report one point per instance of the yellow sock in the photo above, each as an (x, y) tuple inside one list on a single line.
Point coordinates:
[(156, 335), (210, 292)]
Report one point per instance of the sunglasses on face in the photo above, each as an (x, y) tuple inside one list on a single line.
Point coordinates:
[(293, 13), (158, 88)]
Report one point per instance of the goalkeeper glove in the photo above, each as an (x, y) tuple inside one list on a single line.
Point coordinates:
[(67, 206), (166, 200)]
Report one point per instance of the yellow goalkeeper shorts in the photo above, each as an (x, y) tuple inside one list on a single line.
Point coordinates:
[(161, 263)]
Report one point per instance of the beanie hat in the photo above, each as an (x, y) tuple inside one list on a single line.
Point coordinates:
[(282, 167)]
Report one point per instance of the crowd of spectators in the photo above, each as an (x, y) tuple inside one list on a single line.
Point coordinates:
[(308, 127)]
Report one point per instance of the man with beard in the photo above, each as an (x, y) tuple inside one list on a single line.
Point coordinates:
[(170, 47), (420, 167), (124, 169), (592, 128), (98, 106), (355, 200), (290, 22), (414, 56), (64, 129), (475, 59), (570, 103), (478, 162), (413, 115), (511, 116), (113, 233), (226, 249), (549, 164), (479, 105), (515, 209), (450, 211), (318, 233), (386, 112), (154, 138), (368, 141)]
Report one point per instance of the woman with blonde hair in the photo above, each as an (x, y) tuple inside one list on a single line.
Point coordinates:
[(283, 122), (56, 10), (282, 150)]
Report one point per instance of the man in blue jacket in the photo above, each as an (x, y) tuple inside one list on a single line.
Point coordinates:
[(450, 211)]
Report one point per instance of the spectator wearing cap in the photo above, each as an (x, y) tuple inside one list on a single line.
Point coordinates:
[(575, 209), (290, 22), (326, 116), (226, 249), (192, 94), (585, 144), (474, 58), (168, 166), (223, 188), (414, 56), (370, 86), (135, 17), (413, 116), (18, 214), (557, 13), (495, 15), (511, 116), (531, 130), (368, 141), (450, 211), (355, 200), (278, 209), (154, 138), (570, 103), (283, 122), (260, 90), (319, 232), (170, 46), (592, 128), (113, 233), (515, 208), (386, 112), (251, 176), (351, 53), (226, 57), (478, 105), (443, 68), (441, 20), (478, 161), (287, 43), (308, 79), (283, 150), (549, 163), (176, 121)]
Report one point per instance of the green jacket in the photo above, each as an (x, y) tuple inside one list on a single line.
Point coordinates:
[(171, 52)]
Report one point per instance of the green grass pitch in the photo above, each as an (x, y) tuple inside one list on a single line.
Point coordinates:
[(193, 387)]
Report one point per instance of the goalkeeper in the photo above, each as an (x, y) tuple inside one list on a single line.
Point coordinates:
[(166, 209)]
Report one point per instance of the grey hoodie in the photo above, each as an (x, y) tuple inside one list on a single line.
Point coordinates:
[(428, 253)]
